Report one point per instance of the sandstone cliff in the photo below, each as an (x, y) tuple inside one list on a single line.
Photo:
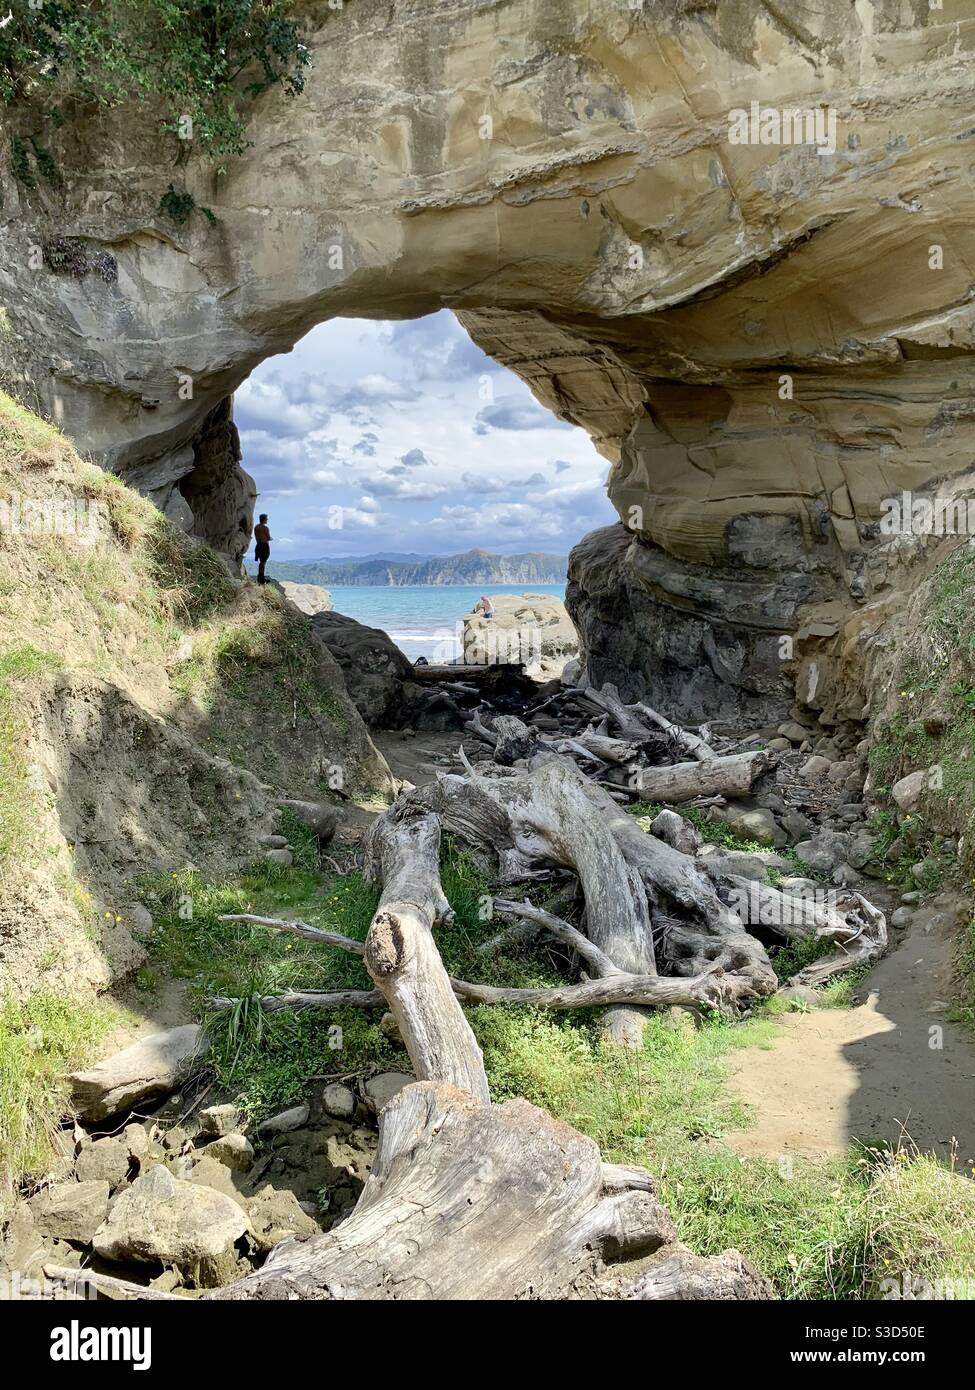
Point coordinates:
[(765, 340)]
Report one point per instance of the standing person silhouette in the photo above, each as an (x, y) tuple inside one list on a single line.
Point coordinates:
[(262, 546)]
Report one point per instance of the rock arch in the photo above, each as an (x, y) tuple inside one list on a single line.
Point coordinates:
[(756, 336)]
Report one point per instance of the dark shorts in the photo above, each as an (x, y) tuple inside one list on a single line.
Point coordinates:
[(262, 551)]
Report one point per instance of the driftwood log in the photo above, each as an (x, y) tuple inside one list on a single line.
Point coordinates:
[(471, 1200), (401, 955), (725, 776), (467, 1200)]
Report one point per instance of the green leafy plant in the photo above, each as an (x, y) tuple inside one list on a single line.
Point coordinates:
[(198, 64), (177, 204), (20, 164)]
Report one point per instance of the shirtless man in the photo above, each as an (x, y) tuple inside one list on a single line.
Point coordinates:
[(262, 546)]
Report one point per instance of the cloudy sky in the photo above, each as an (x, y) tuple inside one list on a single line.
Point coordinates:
[(403, 437)]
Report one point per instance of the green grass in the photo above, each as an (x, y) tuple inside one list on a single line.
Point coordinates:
[(712, 832), (819, 1230), (963, 1003), (40, 1039), (16, 793)]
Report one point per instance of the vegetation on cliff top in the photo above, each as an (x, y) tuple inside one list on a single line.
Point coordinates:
[(197, 63)]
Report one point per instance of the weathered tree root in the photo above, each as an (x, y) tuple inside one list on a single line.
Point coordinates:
[(711, 989), (477, 1201), (472, 1200)]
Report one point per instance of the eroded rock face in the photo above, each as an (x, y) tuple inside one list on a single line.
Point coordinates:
[(310, 598), (532, 629), (757, 336)]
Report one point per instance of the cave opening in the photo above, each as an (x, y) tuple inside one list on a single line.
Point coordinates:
[(407, 477)]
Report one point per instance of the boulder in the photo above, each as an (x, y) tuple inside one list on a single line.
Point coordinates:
[(676, 831), (163, 1219), (861, 849), (530, 630), (804, 996), (825, 851), (24, 1249), (218, 1120), (795, 733), (71, 1210), (379, 676), (275, 1214), (106, 1160), (908, 791), (719, 862), (151, 1067), (572, 673), (815, 767), (208, 1172), (796, 825), (320, 818), (284, 857), (339, 1100), (285, 1121), (759, 824), (233, 1151), (381, 1089), (310, 598)]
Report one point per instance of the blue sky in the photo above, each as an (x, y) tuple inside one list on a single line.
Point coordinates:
[(373, 436)]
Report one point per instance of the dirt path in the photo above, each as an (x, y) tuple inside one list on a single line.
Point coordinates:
[(871, 1072)]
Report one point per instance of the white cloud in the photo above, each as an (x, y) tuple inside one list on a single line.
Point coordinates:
[(363, 412)]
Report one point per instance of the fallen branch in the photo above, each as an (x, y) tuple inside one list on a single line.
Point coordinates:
[(298, 928), (696, 746), (403, 854), (725, 776)]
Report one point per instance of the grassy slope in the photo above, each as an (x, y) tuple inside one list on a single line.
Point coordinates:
[(123, 609), (930, 722)]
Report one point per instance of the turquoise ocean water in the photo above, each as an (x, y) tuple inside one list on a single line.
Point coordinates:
[(424, 619)]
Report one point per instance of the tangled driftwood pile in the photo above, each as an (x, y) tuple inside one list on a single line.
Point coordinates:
[(471, 1199)]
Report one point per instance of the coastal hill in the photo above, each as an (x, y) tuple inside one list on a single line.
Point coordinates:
[(473, 567)]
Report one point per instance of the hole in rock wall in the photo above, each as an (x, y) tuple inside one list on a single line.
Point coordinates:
[(407, 473)]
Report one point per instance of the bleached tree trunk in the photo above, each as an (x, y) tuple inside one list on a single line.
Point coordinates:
[(403, 853), (471, 1201), (728, 776)]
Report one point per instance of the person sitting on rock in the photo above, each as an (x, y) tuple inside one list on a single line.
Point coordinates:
[(486, 606), (262, 546)]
